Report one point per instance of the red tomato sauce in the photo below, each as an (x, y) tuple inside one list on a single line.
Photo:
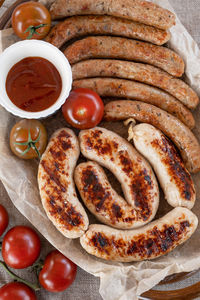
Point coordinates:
[(33, 84)]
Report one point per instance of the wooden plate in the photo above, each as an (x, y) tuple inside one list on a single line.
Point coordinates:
[(187, 293)]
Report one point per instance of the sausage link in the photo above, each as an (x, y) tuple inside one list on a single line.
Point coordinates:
[(139, 72), (136, 10), (135, 175), (180, 134), (129, 89), (122, 48), (103, 201), (56, 184), (78, 26), (149, 242), (174, 178)]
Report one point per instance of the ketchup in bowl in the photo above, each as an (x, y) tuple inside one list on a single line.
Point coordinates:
[(33, 84)]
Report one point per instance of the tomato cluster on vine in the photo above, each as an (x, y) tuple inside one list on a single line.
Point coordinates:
[(20, 249)]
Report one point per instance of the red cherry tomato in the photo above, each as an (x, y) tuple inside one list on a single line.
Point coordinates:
[(31, 20), (3, 219), (58, 272), (83, 108), (20, 247), (16, 291)]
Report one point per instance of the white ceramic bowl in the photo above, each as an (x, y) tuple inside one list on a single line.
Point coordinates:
[(27, 48)]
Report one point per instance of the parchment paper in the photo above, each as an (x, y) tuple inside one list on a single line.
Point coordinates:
[(117, 281)]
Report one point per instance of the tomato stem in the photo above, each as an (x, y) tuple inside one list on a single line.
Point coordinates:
[(33, 286), (33, 30), (30, 144), (37, 267)]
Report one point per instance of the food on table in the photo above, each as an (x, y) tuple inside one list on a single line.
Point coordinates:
[(31, 20), (28, 139), (17, 291), (33, 84), (151, 241), (129, 89), (103, 201), (139, 72), (20, 247), (78, 26), (150, 82), (58, 272), (136, 10), (128, 49), (135, 175), (56, 184), (83, 108), (180, 134), (4, 219), (173, 177)]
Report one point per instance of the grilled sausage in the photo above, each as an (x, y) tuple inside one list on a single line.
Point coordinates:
[(130, 168), (78, 26), (149, 242), (139, 72), (103, 201), (174, 179), (180, 134), (135, 10), (56, 185), (122, 48), (129, 89)]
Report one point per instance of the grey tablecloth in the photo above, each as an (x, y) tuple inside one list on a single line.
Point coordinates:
[(86, 286)]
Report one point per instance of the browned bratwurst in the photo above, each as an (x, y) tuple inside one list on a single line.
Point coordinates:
[(139, 72), (129, 89), (122, 48), (56, 184), (180, 134), (136, 10), (103, 201), (151, 241), (135, 175), (78, 26)]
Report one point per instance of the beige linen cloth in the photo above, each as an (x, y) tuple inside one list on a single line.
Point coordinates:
[(117, 281)]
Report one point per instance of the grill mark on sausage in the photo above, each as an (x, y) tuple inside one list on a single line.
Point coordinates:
[(175, 167), (94, 189), (66, 214), (139, 186), (99, 240), (99, 196), (62, 210), (56, 166), (57, 154), (53, 176), (98, 145), (117, 211), (63, 134)]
